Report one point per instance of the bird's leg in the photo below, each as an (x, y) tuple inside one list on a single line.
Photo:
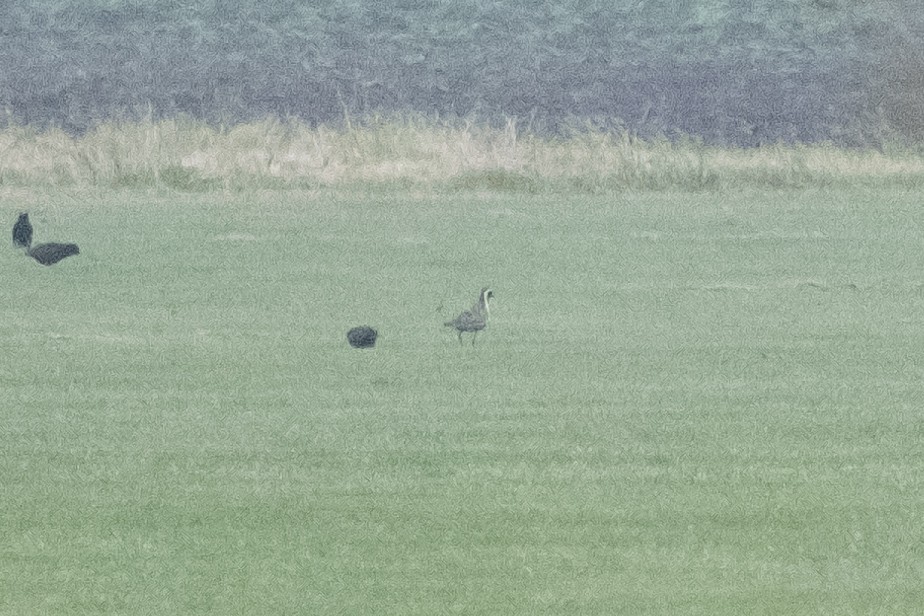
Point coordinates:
[(460, 336), (474, 336)]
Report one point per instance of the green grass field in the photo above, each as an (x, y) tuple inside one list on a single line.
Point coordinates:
[(685, 403)]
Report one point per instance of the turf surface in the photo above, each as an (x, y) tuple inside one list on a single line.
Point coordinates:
[(683, 403)]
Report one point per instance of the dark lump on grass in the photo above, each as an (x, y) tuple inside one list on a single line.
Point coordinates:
[(52, 252), (22, 231), (362, 337)]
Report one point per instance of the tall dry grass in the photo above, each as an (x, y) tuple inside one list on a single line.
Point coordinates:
[(190, 155)]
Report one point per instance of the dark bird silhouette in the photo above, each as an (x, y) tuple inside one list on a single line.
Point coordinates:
[(52, 252), (473, 320), (362, 337), (22, 231)]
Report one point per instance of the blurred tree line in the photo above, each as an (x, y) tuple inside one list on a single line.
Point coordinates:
[(740, 72)]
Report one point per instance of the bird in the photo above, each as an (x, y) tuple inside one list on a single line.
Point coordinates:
[(22, 231), (473, 320), (362, 337), (52, 252)]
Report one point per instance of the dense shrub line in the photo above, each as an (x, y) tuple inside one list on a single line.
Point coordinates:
[(733, 72)]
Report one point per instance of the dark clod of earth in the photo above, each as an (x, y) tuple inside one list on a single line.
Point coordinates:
[(362, 337), (52, 252), (22, 231)]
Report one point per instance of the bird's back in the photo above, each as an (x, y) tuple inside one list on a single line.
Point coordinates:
[(468, 321)]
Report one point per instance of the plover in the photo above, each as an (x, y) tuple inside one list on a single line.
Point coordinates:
[(473, 320)]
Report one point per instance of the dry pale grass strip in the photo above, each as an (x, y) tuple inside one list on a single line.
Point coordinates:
[(416, 151)]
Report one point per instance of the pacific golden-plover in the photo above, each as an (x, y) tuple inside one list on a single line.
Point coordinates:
[(473, 320)]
